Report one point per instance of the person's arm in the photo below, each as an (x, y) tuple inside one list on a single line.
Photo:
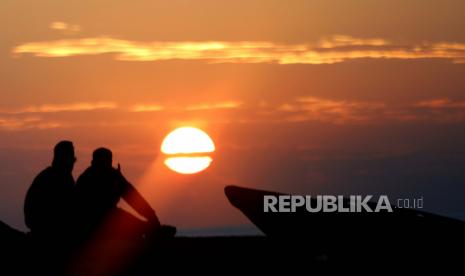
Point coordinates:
[(136, 201)]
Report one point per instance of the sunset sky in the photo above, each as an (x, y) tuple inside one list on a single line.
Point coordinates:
[(340, 97)]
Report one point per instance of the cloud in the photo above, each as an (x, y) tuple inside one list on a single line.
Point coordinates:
[(327, 110), (219, 105), (329, 50), (45, 116), (314, 109), (147, 108), (195, 107), (15, 123), (52, 108), (345, 40), (65, 27), (441, 104), (299, 110), (442, 110)]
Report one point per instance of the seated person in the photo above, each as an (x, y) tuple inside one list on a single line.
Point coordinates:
[(98, 191), (48, 207)]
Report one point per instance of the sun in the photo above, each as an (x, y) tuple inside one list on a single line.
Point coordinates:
[(187, 150)]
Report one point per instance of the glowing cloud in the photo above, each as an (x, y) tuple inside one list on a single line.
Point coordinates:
[(441, 103), (195, 107), (327, 110), (328, 50), (303, 109), (50, 108), (358, 112), (220, 105), (65, 27), (15, 124), (147, 108)]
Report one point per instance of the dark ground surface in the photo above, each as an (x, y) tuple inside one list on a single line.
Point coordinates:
[(295, 243), (199, 255)]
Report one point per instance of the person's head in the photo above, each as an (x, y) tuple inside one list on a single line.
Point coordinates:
[(102, 158), (63, 156)]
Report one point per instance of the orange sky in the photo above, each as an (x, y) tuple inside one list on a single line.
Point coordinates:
[(299, 96)]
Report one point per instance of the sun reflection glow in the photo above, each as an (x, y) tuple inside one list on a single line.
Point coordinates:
[(188, 165)]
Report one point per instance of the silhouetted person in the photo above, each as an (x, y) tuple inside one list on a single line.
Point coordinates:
[(98, 191), (48, 207)]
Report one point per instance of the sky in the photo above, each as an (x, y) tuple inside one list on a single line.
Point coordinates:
[(311, 97)]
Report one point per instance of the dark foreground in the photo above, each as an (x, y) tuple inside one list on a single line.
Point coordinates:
[(294, 242), (231, 254)]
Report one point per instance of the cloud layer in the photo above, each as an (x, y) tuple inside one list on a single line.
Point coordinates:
[(306, 109), (65, 27), (442, 110), (50, 108), (329, 50)]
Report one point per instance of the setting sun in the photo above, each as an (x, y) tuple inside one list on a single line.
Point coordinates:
[(187, 150)]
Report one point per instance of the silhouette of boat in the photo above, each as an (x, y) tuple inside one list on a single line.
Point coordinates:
[(352, 234)]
